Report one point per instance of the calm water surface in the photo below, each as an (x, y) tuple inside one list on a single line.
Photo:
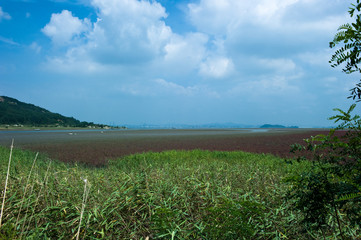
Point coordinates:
[(48, 136)]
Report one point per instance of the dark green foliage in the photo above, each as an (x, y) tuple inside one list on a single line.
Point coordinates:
[(329, 194), (313, 192), (7, 232), (349, 54), (13, 111), (233, 219)]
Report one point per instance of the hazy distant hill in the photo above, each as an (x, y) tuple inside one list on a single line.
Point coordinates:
[(190, 126), (13, 112), (276, 126)]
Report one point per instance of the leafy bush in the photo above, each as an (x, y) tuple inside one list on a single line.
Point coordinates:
[(329, 195), (349, 54)]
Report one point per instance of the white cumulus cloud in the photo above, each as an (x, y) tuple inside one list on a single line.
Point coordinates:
[(239, 43), (267, 28), (64, 28), (216, 67), (184, 54), (128, 31), (222, 17)]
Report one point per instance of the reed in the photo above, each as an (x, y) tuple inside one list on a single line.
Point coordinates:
[(168, 195), (26, 188), (6, 183), (43, 184), (85, 196)]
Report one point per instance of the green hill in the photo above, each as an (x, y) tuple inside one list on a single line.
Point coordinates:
[(12, 111)]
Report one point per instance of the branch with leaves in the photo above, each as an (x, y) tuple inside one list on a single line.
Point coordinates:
[(349, 54)]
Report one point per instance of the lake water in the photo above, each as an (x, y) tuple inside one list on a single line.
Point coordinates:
[(23, 137)]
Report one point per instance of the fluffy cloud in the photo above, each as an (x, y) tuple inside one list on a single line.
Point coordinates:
[(35, 47), (64, 28), (128, 31), (183, 54), (216, 67), (129, 35), (278, 65), (319, 58), (225, 17), (75, 61), (269, 85), (162, 87), (171, 87), (242, 44), (4, 15), (222, 17), (268, 28)]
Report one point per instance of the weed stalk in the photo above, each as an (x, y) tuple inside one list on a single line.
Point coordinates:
[(85, 196), (6, 183), (37, 199), (26, 188)]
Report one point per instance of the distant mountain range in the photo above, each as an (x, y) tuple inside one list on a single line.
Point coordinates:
[(197, 126), (189, 126), (14, 112), (276, 126)]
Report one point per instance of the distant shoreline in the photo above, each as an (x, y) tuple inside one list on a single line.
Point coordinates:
[(254, 129), (34, 128)]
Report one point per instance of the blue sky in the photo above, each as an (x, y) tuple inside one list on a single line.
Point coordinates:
[(175, 62)]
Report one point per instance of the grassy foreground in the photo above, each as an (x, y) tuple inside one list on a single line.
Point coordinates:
[(169, 195)]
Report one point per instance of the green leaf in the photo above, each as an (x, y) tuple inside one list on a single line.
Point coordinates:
[(350, 196)]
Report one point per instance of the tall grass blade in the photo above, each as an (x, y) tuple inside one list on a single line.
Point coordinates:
[(26, 188), (85, 196), (6, 183), (37, 199)]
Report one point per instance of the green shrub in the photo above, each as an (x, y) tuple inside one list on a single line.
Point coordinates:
[(329, 194)]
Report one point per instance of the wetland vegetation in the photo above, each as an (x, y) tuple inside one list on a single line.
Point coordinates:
[(173, 194), (169, 195)]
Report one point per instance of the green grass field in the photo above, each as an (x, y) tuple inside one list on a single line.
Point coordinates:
[(168, 195)]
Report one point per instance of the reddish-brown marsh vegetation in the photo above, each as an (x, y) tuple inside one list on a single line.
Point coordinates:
[(96, 147)]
